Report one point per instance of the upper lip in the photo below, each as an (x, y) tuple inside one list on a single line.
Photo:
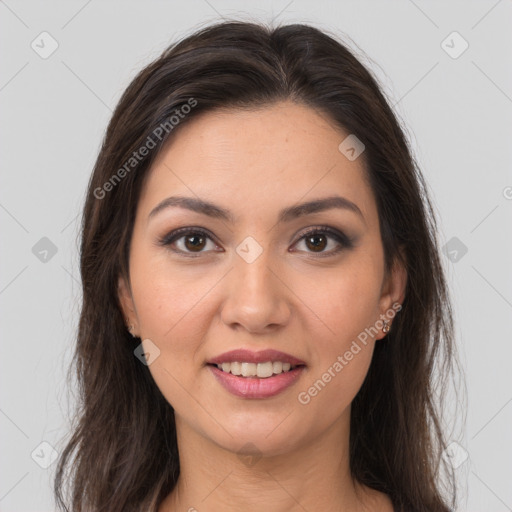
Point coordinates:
[(249, 356)]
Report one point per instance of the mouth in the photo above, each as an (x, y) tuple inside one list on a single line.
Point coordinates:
[(259, 370), (249, 374)]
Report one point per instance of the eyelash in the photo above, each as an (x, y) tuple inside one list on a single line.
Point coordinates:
[(344, 241)]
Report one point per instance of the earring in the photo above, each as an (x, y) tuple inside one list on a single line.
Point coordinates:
[(131, 329), (386, 326)]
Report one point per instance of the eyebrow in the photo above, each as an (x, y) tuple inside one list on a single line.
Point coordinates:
[(285, 215)]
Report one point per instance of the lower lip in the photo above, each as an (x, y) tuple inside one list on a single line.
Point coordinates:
[(254, 387)]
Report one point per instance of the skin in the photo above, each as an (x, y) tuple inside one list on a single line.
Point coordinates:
[(290, 298)]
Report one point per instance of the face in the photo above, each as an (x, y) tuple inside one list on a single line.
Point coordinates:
[(242, 275)]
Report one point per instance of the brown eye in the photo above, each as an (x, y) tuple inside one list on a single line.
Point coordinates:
[(195, 242), (189, 241), (316, 243), (317, 240)]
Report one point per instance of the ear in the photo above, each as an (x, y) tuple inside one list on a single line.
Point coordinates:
[(127, 305), (393, 290)]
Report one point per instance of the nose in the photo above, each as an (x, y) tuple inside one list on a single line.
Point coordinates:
[(257, 299)]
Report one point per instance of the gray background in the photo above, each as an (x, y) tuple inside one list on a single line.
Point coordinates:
[(456, 111)]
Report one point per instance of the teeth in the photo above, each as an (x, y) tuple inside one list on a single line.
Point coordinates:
[(249, 369), (264, 369), (261, 370), (235, 368)]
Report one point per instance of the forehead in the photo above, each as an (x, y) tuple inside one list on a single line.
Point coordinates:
[(256, 159)]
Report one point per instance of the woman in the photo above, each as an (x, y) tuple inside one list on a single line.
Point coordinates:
[(263, 299)]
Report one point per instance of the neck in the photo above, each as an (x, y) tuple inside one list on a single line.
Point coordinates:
[(315, 476)]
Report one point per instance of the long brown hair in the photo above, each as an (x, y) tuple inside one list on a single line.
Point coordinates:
[(122, 454)]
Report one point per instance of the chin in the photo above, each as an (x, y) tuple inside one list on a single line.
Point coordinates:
[(262, 437), (257, 444)]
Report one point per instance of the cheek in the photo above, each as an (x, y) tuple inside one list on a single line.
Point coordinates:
[(330, 389), (171, 313), (169, 301), (341, 357), (345, 299)]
